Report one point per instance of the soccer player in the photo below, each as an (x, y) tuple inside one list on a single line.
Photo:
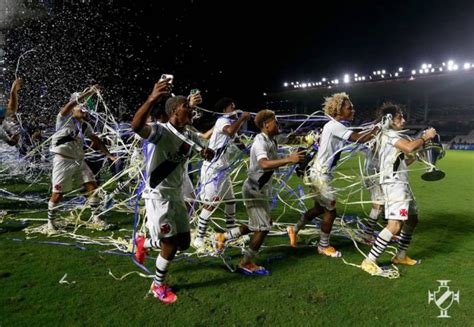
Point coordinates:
[(375, 189), (400, 206), (333, 138), (8, 129), (215, 180), (167, 217), (68, 162), (256, 190)]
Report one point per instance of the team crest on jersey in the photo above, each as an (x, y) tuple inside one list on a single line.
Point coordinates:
[(165, 228), (403, 212), (57, 187)]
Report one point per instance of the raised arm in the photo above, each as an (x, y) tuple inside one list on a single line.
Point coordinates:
[(232, 129), (12, 106), (161, 89), (206, 135), (97, 144), (409, 146), (361, 137), (66, 110), (295, 157)]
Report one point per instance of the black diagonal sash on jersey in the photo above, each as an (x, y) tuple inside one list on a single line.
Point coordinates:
[(336, 158), (264, 179), (166, 167), (397, 162), (268, 174)]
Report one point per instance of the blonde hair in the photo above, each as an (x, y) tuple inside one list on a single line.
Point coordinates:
[(333, 105), (262, 116)]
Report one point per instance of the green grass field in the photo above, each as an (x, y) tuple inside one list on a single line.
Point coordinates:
[(304, 289)]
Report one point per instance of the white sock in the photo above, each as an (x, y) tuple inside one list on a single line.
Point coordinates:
[(229, 212), (299, 225), (404, 241), (52, 209), (203, 221), (150, 243), (94, 202), (380, 244), (323, 240), (232, 233), (373, 216), (161, 270)]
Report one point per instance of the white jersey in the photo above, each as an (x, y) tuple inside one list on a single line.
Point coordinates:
[(68, 140), (221, 143), (393, 168), (372, 163), (332, 140), (167, 155), (263, 147)]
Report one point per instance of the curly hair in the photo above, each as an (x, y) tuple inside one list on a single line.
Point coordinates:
[(262, 116), (389, 108), (333, 105), (223, 103)]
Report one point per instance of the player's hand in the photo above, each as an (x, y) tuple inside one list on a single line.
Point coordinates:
[(297, 157), (429, 133), (207, 154), (245, 115), (375, 130), (195, 99), (160, 90)]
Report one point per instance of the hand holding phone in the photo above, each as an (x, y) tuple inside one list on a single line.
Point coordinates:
[(167, 76)]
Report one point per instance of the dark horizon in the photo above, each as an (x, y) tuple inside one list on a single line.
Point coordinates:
[(239, 50)]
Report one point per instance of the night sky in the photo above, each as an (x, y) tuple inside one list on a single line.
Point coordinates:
[(238, 49)]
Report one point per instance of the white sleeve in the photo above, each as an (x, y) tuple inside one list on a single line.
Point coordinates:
[(156, 133), (260, 149), (220, 124), (61, 120), (394, 139), (340, 131)]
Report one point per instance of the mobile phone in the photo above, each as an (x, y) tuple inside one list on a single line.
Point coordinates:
[(194, 91), (166, 76)]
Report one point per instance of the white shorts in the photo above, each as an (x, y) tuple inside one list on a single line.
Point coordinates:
[(166, 218), (66, 171), (188, 188), (215, 185), (399, 201), (324, 193), (257, 203)]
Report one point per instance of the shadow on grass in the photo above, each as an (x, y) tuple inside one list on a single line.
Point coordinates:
[(446, 234)]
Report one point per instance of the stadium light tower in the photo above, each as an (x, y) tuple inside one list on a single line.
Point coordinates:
[(400, 69), (285, 84), (467, 65)]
